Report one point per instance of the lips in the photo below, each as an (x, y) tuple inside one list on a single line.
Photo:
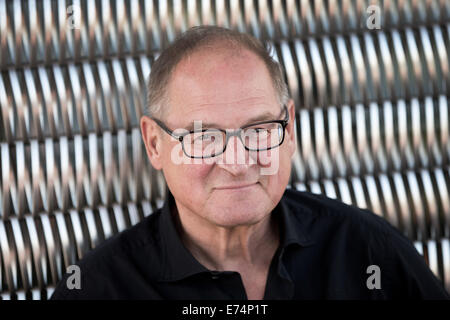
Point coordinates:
[(237, 186)]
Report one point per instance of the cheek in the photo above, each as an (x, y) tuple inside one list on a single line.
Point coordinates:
[(270, 161), (196, 173), (187, 178), (278, 173)]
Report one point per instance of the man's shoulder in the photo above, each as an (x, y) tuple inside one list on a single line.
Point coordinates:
[(321, 211), (136, 250), (129, 242), (353, 238)]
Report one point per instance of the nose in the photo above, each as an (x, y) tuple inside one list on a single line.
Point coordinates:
[(235, 159)]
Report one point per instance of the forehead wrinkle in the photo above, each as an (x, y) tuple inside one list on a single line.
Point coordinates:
[(250, 100), (202, 111), (201, 62), (253, 118)]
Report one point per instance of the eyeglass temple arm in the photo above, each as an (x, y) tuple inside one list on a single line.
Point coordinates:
[(287, 114), (164, 127)]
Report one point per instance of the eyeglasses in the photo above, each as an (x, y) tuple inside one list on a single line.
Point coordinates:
[(207, 143)]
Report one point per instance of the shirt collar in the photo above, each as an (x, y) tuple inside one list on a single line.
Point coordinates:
[(293, 226), (179, 263)]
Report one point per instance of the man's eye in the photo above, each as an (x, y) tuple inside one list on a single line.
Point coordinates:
[(207, 137), (260, 131)]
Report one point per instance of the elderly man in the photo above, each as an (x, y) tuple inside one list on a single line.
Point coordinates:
[(221, 128)]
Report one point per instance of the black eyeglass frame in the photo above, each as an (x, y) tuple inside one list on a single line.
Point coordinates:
[(238, 133)]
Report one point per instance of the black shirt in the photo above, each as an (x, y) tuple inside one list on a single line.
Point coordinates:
[(325, 249)]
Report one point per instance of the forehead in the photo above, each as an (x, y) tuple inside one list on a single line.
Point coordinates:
[(215, 82)]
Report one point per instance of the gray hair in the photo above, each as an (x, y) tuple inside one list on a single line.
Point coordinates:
[(197, 38)]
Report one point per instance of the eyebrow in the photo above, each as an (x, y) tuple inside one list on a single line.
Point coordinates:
[(262, 117)]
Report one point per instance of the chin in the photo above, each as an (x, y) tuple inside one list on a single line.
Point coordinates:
[(239, 214)]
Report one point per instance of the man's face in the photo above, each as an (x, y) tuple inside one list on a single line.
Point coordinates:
[(227, 90)]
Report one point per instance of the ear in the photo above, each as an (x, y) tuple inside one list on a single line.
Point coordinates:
[(152, 140), (290, 137)]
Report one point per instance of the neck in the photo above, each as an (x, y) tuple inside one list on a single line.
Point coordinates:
[(230, 248)]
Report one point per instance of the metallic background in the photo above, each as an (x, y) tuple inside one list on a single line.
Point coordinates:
[(372, 117)]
